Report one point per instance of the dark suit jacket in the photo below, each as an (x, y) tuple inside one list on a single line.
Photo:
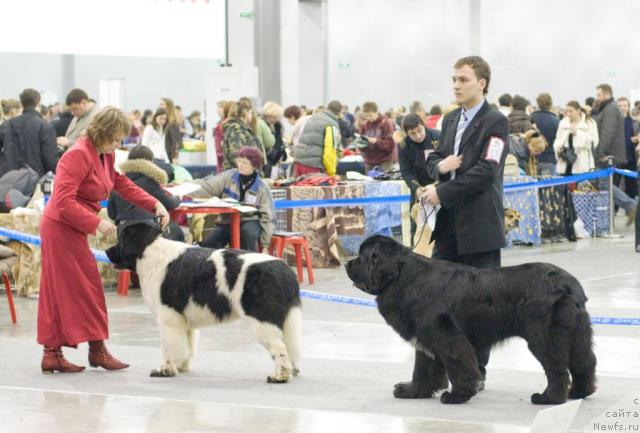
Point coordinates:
[(472, 202)]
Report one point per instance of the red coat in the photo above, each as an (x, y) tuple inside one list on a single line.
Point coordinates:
[(71, 305)]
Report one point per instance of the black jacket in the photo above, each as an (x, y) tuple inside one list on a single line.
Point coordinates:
[(413, 163), (28, 140), (610, 123), (472, 202), (547, 124), (147, 176)]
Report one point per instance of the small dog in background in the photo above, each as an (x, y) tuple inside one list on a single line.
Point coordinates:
[(511, 219)]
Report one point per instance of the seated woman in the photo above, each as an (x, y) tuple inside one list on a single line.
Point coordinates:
[(245, 185), (148, 176)]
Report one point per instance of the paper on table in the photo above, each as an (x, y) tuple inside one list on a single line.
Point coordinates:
[(217, 202), (183, 189)]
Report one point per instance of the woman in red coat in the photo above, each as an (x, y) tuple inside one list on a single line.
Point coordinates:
[(71, 305)]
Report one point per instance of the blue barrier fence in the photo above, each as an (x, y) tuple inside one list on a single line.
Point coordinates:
[(340, 202), (340, 299)]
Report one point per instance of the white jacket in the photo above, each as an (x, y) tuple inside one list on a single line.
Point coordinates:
[(584, 140), (155, 141)]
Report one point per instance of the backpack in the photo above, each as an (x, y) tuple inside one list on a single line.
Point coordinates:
[(17, 187)]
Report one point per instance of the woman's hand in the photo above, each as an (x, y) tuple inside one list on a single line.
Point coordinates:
[(161, 212), (106, 227)]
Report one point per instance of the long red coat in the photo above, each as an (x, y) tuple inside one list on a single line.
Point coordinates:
[(71, 305)]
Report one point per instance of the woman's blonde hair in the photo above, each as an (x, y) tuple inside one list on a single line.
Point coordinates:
[(109, 123), (271, 108), (172, 118)]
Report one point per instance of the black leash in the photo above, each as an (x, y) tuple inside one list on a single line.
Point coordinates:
[(426, 222)]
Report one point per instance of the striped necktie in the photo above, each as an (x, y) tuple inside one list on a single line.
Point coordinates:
[(462, 125)]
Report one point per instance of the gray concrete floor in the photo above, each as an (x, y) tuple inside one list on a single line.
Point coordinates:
[(350, 362)]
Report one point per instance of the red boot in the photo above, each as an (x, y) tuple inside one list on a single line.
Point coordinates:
[(99, 356), (53, 360)]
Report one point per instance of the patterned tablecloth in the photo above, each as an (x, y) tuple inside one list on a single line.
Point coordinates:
[(526, 202)]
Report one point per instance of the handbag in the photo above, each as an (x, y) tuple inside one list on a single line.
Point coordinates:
[(568, 155)]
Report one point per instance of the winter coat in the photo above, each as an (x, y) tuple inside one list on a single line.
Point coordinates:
[(385, 148), (547, 124), (611, 133), (310, 147), (237, 134), (28, 140), (584, 141), (227, 185)]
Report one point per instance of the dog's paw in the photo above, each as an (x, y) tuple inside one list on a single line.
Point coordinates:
[(282, 376), (162, 372), (538, 398), (409, 390), (295, 371), (453, 398)]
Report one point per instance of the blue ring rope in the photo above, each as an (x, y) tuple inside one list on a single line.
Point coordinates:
[(363, 201), (628, 173), (340, 299)]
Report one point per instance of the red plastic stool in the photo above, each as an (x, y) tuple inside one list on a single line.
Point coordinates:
[(12, 308), (280, 240), (124, 276)]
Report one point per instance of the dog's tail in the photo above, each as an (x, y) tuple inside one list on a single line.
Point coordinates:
[(582, 363), (292, 333)]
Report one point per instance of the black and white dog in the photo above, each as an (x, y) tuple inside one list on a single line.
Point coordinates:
[(188, 287)]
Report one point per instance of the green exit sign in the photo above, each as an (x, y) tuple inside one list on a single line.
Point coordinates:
[(246, 14)]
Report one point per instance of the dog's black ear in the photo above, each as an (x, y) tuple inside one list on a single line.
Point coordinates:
[(383, 270)]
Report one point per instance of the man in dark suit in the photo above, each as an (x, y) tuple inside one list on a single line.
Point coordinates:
[(469, 164)]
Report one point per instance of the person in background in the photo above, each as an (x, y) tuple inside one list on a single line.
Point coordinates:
[(611, 144), (435, 114), (10, 108), (519, 121), (146, 118), (589, 103), (154, 135), (576, 131), (222, 108), (245, 185), (272, 114), (260, 128), (238, 133), (172, 136), (631, 139), (140, 168), (197, 127), (378, 130), (547, 124), (419, 110), (309, 151), (28, 139), (296, 118), (83, 110), (61, 124), (71, 302), (504, 102), (413, 152)]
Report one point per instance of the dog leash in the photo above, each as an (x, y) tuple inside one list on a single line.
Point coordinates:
[(415, 245)]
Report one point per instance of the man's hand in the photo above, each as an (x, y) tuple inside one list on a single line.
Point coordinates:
[(430, 196), (635, 139), (372, 140), (63, 141), (450, 163)]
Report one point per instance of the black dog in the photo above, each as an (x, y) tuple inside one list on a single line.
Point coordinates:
[(188, 287), (449, 312)]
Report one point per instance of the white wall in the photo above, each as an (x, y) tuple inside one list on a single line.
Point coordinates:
[(312, 30), (147, 79), (394, 52), (565, 48)]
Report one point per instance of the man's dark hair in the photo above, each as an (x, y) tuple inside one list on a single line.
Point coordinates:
[(544, 101), (411, 121), (505, 100), (605, 88), (480, 68), (335, 107), (435, 110), (76, 96), (141, 152), (519, 103), (29, 98)]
